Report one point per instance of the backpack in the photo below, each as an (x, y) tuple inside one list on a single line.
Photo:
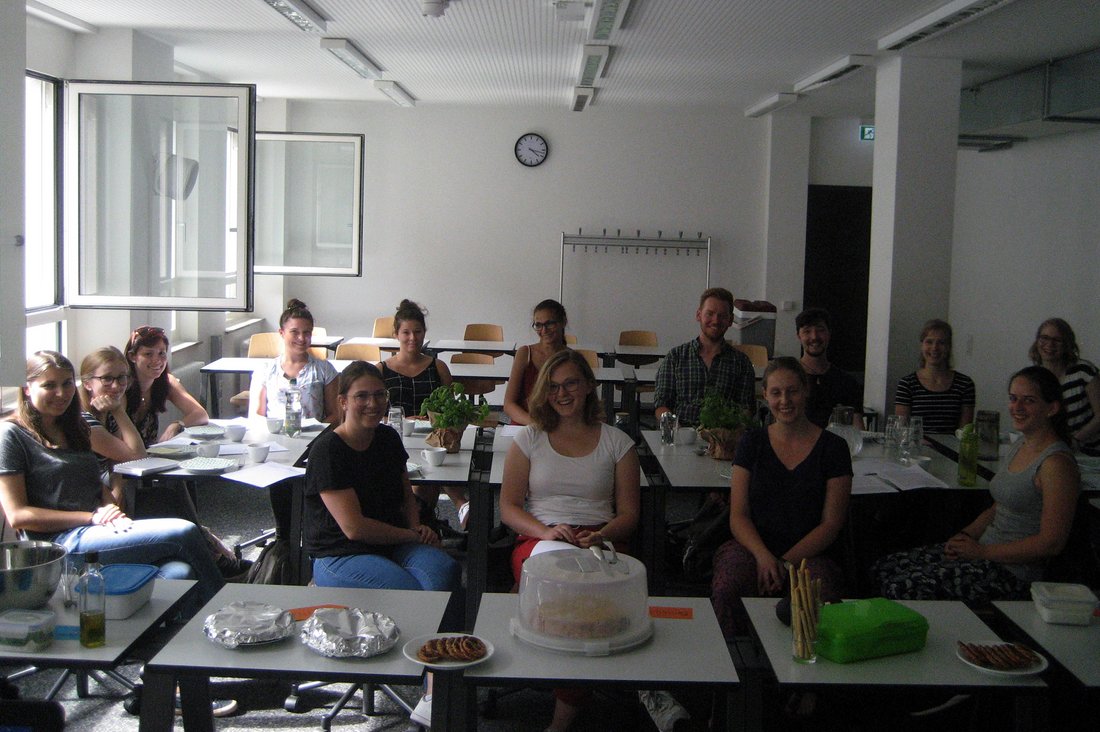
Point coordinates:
[(700, 538), (273, 566)]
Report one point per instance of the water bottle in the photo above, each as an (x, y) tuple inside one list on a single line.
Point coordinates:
[(292, 422), (92, 590), (968, 456)]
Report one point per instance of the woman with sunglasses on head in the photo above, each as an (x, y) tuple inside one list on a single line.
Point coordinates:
[(315, 377), (152, 386), (548, 321), (569, 479), (50, 486), (1055, 348)]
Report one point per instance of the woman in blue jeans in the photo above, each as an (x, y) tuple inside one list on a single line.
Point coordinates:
[(361, 523), (50, 487)]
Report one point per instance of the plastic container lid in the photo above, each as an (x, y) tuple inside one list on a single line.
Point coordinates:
[(125, 579), (1063, 596), (27, 629)]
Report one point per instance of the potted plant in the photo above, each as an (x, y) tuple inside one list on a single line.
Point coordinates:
[(450, 410), (721, 423)]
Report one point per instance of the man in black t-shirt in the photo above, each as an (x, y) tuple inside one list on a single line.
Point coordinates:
[(829, 386)]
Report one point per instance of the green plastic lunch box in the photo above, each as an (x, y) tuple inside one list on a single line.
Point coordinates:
[(860, 629)]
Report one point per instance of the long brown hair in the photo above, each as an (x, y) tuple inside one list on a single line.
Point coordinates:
[(1070, 352), (91, 363), (295, 308), (71, 423), (543, 415), (408, 310), (147, 336), (1051, 390)]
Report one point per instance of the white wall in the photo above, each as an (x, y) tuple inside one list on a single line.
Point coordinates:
[(1026, 248), (12, 91), (838, 156)]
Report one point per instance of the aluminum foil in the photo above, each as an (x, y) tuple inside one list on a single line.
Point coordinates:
[(346, 632), (248, 623)]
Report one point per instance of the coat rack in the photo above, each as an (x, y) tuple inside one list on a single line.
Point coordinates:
[(625, 245)]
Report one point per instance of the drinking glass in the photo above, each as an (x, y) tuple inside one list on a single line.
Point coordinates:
[(911, 438), (892, 435), (669, 424), (395, 417)]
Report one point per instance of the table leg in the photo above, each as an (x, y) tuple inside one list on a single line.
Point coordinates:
[(157, 702), (298, 559), (212, 391), (478, 527), (198, 716)]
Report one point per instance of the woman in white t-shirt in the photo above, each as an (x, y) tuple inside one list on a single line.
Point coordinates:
[(569, 479)]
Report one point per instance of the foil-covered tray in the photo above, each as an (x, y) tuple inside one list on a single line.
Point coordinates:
[(248, 623), (348, 632)]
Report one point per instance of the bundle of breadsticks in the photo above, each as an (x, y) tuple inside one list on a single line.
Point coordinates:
[(805, 609)]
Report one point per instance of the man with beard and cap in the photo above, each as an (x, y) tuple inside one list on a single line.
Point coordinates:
[(829, 386), (703, 363)]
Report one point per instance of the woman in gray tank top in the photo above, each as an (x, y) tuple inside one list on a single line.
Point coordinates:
[(1001, 552)]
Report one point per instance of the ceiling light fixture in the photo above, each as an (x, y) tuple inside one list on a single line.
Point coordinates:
[(607, 16), (301, 14), (583, 97), (393, 90), (833, 72), (350, 54), (52, 15), (771, 104), (567, 11), (938, 21), (593, 63), (433, 8)]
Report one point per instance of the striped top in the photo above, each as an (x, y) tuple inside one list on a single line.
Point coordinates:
[(1076, 402), (940, 410)]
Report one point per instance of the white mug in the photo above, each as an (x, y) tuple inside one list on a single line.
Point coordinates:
[(685, 436), (257, 451), (208, 450), (235, 432), (274, 425), (407, 426), (434, 455)]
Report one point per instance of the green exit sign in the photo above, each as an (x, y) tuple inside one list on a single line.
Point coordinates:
[(867, 132)]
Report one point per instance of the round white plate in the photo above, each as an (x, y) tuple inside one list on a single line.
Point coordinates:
[(172, 452), (205, 431), (411, 468), (410, 649), (1038, 668), (208, 466)]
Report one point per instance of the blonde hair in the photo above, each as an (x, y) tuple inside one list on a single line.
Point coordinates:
[(543, 415), (92, 363)]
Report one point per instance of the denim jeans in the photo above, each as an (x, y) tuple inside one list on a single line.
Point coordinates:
[(413, 567), (178, 547)]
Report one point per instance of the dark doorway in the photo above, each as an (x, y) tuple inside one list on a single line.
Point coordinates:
[(838, 252)]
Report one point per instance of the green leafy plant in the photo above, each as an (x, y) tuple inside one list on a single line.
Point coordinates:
[(717, 412), (450, 407)]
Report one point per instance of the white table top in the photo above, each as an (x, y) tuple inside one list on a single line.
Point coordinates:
[(383, 343), (644, 351), (416, 614), (327, 341), (1075, 647), (935, 665), (685, 651), (121, 634), (474, 346), (684, 468), (256, 433)]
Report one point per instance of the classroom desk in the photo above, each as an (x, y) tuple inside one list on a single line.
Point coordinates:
[(490, 347), (192, 659), (455, 469), (384, 344), (329, 342), (933, 667), (682, 652), (1075, 647)]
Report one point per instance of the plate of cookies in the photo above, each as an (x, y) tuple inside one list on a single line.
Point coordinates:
[(448, 650), (1001, 659)]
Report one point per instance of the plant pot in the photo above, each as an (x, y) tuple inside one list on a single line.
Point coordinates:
[(448, 437), (721, 442)]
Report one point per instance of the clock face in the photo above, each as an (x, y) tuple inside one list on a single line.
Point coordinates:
[(531, 149)]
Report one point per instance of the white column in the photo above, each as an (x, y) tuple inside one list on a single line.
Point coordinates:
[(916, 132), (13, 59)]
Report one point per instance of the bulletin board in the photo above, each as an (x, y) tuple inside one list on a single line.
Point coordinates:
[(615, 282)]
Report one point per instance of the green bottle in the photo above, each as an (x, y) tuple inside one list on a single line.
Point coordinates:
[(968, 457)]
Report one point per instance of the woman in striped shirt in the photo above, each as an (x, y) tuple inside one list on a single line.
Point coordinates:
[(1055, 348), (941, 396)]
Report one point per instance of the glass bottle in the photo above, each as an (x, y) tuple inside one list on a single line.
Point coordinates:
[(968, 457), (92, 591), (292, 422)]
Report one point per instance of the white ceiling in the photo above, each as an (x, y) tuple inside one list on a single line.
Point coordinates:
[(694, 53)]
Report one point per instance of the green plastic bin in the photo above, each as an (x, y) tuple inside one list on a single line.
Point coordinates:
[(862, 629)]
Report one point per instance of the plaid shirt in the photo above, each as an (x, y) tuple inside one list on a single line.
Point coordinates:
[(683, 377)]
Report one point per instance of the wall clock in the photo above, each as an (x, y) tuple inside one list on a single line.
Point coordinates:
[(531, 149)]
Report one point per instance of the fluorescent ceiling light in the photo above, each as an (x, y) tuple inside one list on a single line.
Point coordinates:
[(583, 96), (771, 104), (350, 54), (393, 90), (567, 11), (593, 63), (607, 16), (301, 14), (66, 21), (833, 72), (938, 21)]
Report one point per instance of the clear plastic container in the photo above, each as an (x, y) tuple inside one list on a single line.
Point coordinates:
[(579, 602), (27, 630), (1063, 603), (129, 587)]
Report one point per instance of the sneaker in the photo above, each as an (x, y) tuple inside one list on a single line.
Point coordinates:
[(218, 707), (663, 709), (422, 714), (463, 515)]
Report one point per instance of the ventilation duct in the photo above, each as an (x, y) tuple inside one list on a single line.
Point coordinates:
[(942, 19), (1057, 97)]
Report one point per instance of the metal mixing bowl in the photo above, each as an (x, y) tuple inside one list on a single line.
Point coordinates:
[(29, 573)]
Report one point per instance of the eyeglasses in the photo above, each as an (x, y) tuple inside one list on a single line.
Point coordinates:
[(112, 380), (547, 325), (1054, 340), (569, 385), (378, 397)]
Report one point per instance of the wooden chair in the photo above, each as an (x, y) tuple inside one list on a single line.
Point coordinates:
[(260, 345), (759, 356), (591, 357), (358, 352), (475, 387), (319, 351), (484, 332), (638, 338), (383, 327), (570, 338)]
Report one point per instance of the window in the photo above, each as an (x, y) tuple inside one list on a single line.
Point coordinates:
[(40, 248)]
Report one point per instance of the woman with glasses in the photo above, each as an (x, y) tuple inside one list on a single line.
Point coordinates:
[(569, 479), (1055, 348), (548, 321), (152, 386), (315, 377), (941, 396), (104, 376)]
